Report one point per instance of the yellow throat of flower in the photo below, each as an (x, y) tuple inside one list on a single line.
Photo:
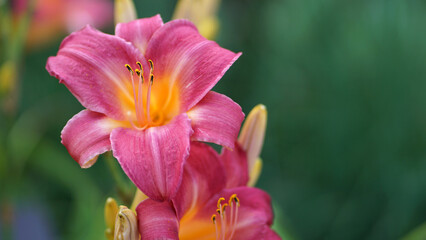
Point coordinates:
[(151, 106)]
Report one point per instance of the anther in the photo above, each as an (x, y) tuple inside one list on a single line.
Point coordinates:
[(138, 72), (219, 201), (224, 207), (129, 68), (237, 201), (152, 79), (214, 218), (151, 65), (139, 64)]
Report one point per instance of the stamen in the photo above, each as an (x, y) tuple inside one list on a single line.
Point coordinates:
[(151, 65), (140, 91), (151, 77), (139, 64), (226, 225), (215, 226), (129, 68), (223, 217), (134, 91), (219, 202), (234, 218)]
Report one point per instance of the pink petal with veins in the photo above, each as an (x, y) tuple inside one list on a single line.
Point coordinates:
[(140, 31), (184, 58), (203, 177), (236, 166), (216, 118), (157, 220), (92, 66), (86, 135), (153, 158)]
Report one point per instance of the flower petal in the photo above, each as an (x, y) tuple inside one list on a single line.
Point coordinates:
[(203, 176), (86, 135), (271, 235), (216, 118), (153, 158), (92, 66), (255, 213), (235, 166), (185, 59), (157, 220), (140, 31)]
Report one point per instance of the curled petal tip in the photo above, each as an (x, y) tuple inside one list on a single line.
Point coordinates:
[(124, 11), (253, 133), (126, 225)]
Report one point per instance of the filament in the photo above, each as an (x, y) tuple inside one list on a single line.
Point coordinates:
[(225, 224)]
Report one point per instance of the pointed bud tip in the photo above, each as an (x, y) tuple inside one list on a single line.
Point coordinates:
[(124, 11), (126, 225), (260, 109)]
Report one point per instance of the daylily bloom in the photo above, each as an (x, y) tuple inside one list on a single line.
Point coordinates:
[(147, 94), (213, 202), (54, 17)]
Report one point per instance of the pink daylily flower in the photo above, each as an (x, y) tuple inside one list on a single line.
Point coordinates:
[(213, 202), (147, 94)]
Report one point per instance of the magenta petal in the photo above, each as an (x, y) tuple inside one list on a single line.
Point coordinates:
[(203, 176), (140, 31), (153, 158), (182, 57), (86, 135), (216, 118), (236, 166), (92, 66), (157, 220), (271, 235)]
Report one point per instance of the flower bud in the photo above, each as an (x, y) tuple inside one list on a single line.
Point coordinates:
[(203, 13), (126, 225), (124, 11), (251, 140), (110, 212)]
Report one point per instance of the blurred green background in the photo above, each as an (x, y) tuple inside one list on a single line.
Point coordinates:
[(345, 150)]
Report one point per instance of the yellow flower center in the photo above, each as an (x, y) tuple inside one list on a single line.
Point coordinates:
[(224, 222), (151, 106)]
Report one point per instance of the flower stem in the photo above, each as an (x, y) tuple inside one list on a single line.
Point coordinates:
[(124, 190)]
